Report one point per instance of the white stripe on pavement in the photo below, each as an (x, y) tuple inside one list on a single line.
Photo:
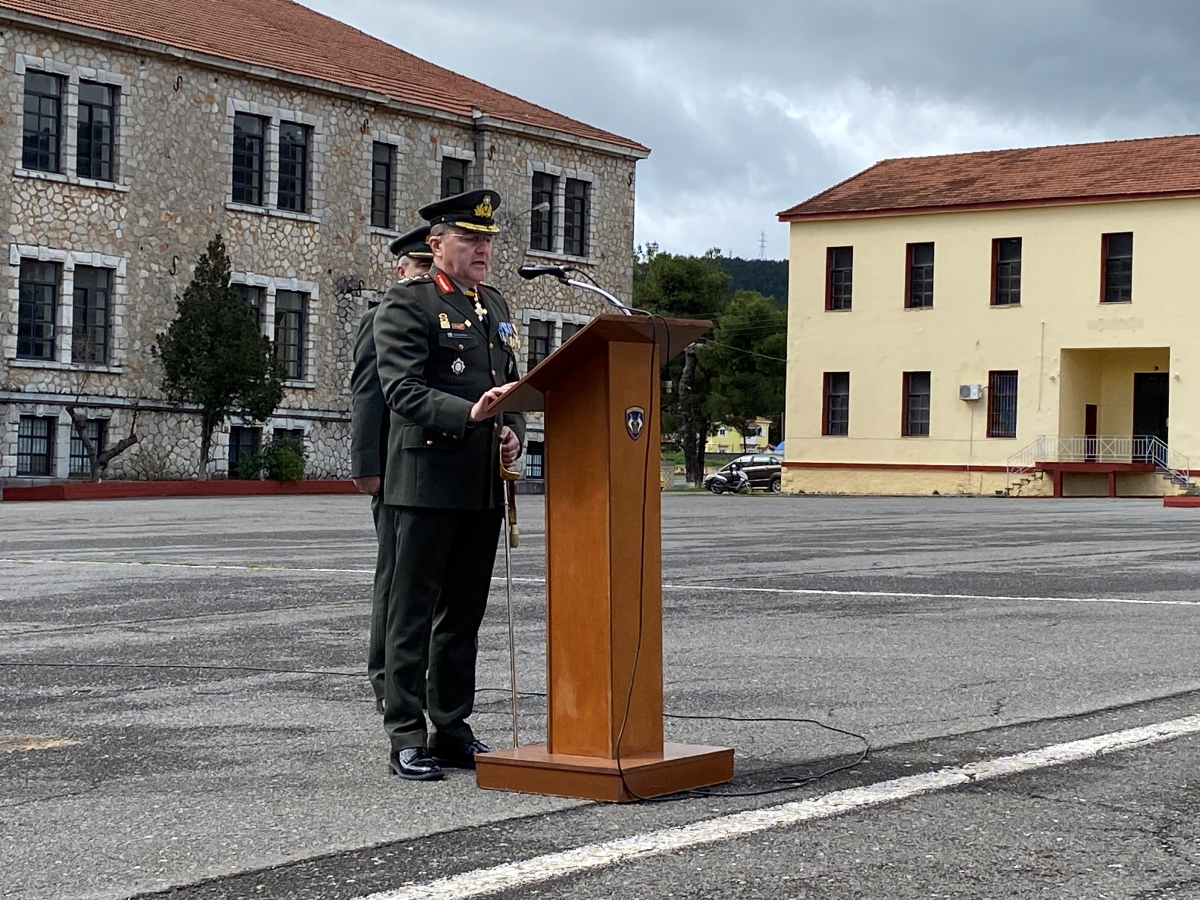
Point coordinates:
[(551, 866)]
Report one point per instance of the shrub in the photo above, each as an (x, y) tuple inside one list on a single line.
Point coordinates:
[(283, 458)]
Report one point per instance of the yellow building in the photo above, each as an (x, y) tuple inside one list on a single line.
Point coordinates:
[(1020, 320), (727, 439)]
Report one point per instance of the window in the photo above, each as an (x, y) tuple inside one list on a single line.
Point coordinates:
[(541, 225), (41, 139), (535, 459), (254, 297), (89, 335), (95, 131), (919, 293), (248, 137), (293, 167), (381, 186), (289, 333), (97, 432), (839, 280), (454, 176), (1002, 405), (916, 404), (569, 330), (575, 235), (540, 334), (1117, 274), (1006, 272), (720, 431), (35, 309), (836, 412), (35, 446), (290, 434), (243, 442)]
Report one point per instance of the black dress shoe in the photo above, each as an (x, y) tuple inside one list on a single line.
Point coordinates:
[(415, 764), (461, 756), (380, 705)]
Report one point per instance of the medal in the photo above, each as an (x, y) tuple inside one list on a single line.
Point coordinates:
[(458, 366), (443, 321), (481, 312), (507, 332)]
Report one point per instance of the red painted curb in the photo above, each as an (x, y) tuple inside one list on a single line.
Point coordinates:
[(121, 490), (1182, 502)]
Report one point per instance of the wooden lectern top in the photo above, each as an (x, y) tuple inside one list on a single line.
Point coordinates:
[(671, 336)]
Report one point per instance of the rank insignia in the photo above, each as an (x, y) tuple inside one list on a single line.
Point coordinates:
[(458, 366), (484, 210), (443, 282), (635, 421), (443, 321), (508, 336)]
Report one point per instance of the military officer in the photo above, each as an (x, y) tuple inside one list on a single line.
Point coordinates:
[(368, 448), (446, 347)]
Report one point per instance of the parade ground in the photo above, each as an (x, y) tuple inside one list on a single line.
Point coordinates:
[(185, 711)]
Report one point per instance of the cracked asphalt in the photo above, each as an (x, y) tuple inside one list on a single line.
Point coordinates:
[(183, 709)]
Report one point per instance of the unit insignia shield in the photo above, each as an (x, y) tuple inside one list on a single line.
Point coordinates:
[(458, 367), (635, 421)]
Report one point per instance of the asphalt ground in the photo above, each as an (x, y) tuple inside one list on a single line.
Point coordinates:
[(183, 708)]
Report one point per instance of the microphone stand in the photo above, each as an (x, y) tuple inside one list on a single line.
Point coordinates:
[(625, 310)]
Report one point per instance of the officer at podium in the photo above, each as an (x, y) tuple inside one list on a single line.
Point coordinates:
[(446, 346)]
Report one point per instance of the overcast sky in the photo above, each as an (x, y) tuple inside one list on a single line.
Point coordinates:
[(750, 107)]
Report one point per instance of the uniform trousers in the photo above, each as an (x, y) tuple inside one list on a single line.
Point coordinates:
[(444, 560), (385, 568)]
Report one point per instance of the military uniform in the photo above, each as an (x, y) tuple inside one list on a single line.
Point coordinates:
[(440, 348)]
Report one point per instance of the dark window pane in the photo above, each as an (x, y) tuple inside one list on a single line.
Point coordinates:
[(837, 404), (575, 218), (35, 446), (35, 309), (1118, 267), (293, 167), (920, 276), (381, 186), (541, 223), (539, 336), (535, 460), (42, 125), (254, 296), (289, 332), (95, 131), (248, 137), (243, 442), (97, 432), (569, 330), (1002, 404), (454, 176), (1007, 277), (841, 278), (916, 404), (89, 331)]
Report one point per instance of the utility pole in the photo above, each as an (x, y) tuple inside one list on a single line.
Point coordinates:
[(762, 245)]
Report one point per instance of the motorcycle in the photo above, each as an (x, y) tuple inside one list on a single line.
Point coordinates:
[(733, 481)]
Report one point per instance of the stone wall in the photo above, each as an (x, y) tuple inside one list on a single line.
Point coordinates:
[(172, 192)]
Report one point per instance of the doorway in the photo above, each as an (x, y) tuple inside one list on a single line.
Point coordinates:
[(1090, 418), (1151, 402)]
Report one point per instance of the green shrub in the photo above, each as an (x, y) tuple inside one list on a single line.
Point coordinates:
[(283, 458), (249, 467)]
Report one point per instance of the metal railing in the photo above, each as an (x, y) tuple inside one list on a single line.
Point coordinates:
[(1138, 448)]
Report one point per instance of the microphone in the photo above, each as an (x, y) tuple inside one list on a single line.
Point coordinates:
[(529, 271)]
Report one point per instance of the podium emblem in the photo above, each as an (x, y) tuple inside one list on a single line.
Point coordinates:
[(635, 421)]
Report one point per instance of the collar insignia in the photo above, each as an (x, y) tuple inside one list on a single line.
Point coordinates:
[(443, 282)]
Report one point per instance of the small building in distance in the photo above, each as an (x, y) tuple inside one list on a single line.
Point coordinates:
[(1014, 320), (728, 439)]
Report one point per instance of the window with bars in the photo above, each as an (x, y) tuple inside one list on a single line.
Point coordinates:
[(836, 404), (454, 176), (293, 167), (289, 332), (41, 142), (35, 446), (541, 223), (1002, 404), (535, 460), (1117, 267), (839, 279), (254, 297), (249, 135), (919, 286), (916, 404), (1006, 272), (576, 210), (381, 185), (539, 335), (243, 442), (89, 330), (38, 292), (96, 131), (97, 432)]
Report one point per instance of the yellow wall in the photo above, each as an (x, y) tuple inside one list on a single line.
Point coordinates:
[(962, 337), (731, 440)]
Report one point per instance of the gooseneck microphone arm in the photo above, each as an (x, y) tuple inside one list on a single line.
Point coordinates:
[(560, 272)]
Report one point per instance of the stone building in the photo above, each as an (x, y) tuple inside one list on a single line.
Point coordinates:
[(137, 129)]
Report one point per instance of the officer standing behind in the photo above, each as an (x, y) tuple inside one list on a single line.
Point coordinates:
[(368, 448), (446, 346)]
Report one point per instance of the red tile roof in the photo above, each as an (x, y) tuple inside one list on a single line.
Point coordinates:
[(286, 36), (1165, 166)]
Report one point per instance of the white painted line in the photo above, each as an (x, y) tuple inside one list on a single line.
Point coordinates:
[(150, 564), (510, 876)]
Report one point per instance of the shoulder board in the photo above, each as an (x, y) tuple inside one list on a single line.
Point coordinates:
[(417, 279)]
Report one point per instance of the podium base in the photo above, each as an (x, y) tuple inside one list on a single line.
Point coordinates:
[(533, 770)]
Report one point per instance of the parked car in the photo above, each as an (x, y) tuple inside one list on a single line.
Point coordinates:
[(764, 471)]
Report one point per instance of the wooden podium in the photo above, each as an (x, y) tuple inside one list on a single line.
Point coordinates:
[(600, 396)]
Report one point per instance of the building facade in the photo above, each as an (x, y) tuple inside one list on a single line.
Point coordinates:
[(1015, 321), (138, 130)]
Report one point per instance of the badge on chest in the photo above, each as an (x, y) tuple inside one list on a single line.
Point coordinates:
[(458, 366)]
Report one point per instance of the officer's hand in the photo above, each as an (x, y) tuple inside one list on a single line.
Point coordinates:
[(477, 413), (368, 485), (510, 446)]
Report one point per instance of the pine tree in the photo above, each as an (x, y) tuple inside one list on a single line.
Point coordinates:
[(213, 355)]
